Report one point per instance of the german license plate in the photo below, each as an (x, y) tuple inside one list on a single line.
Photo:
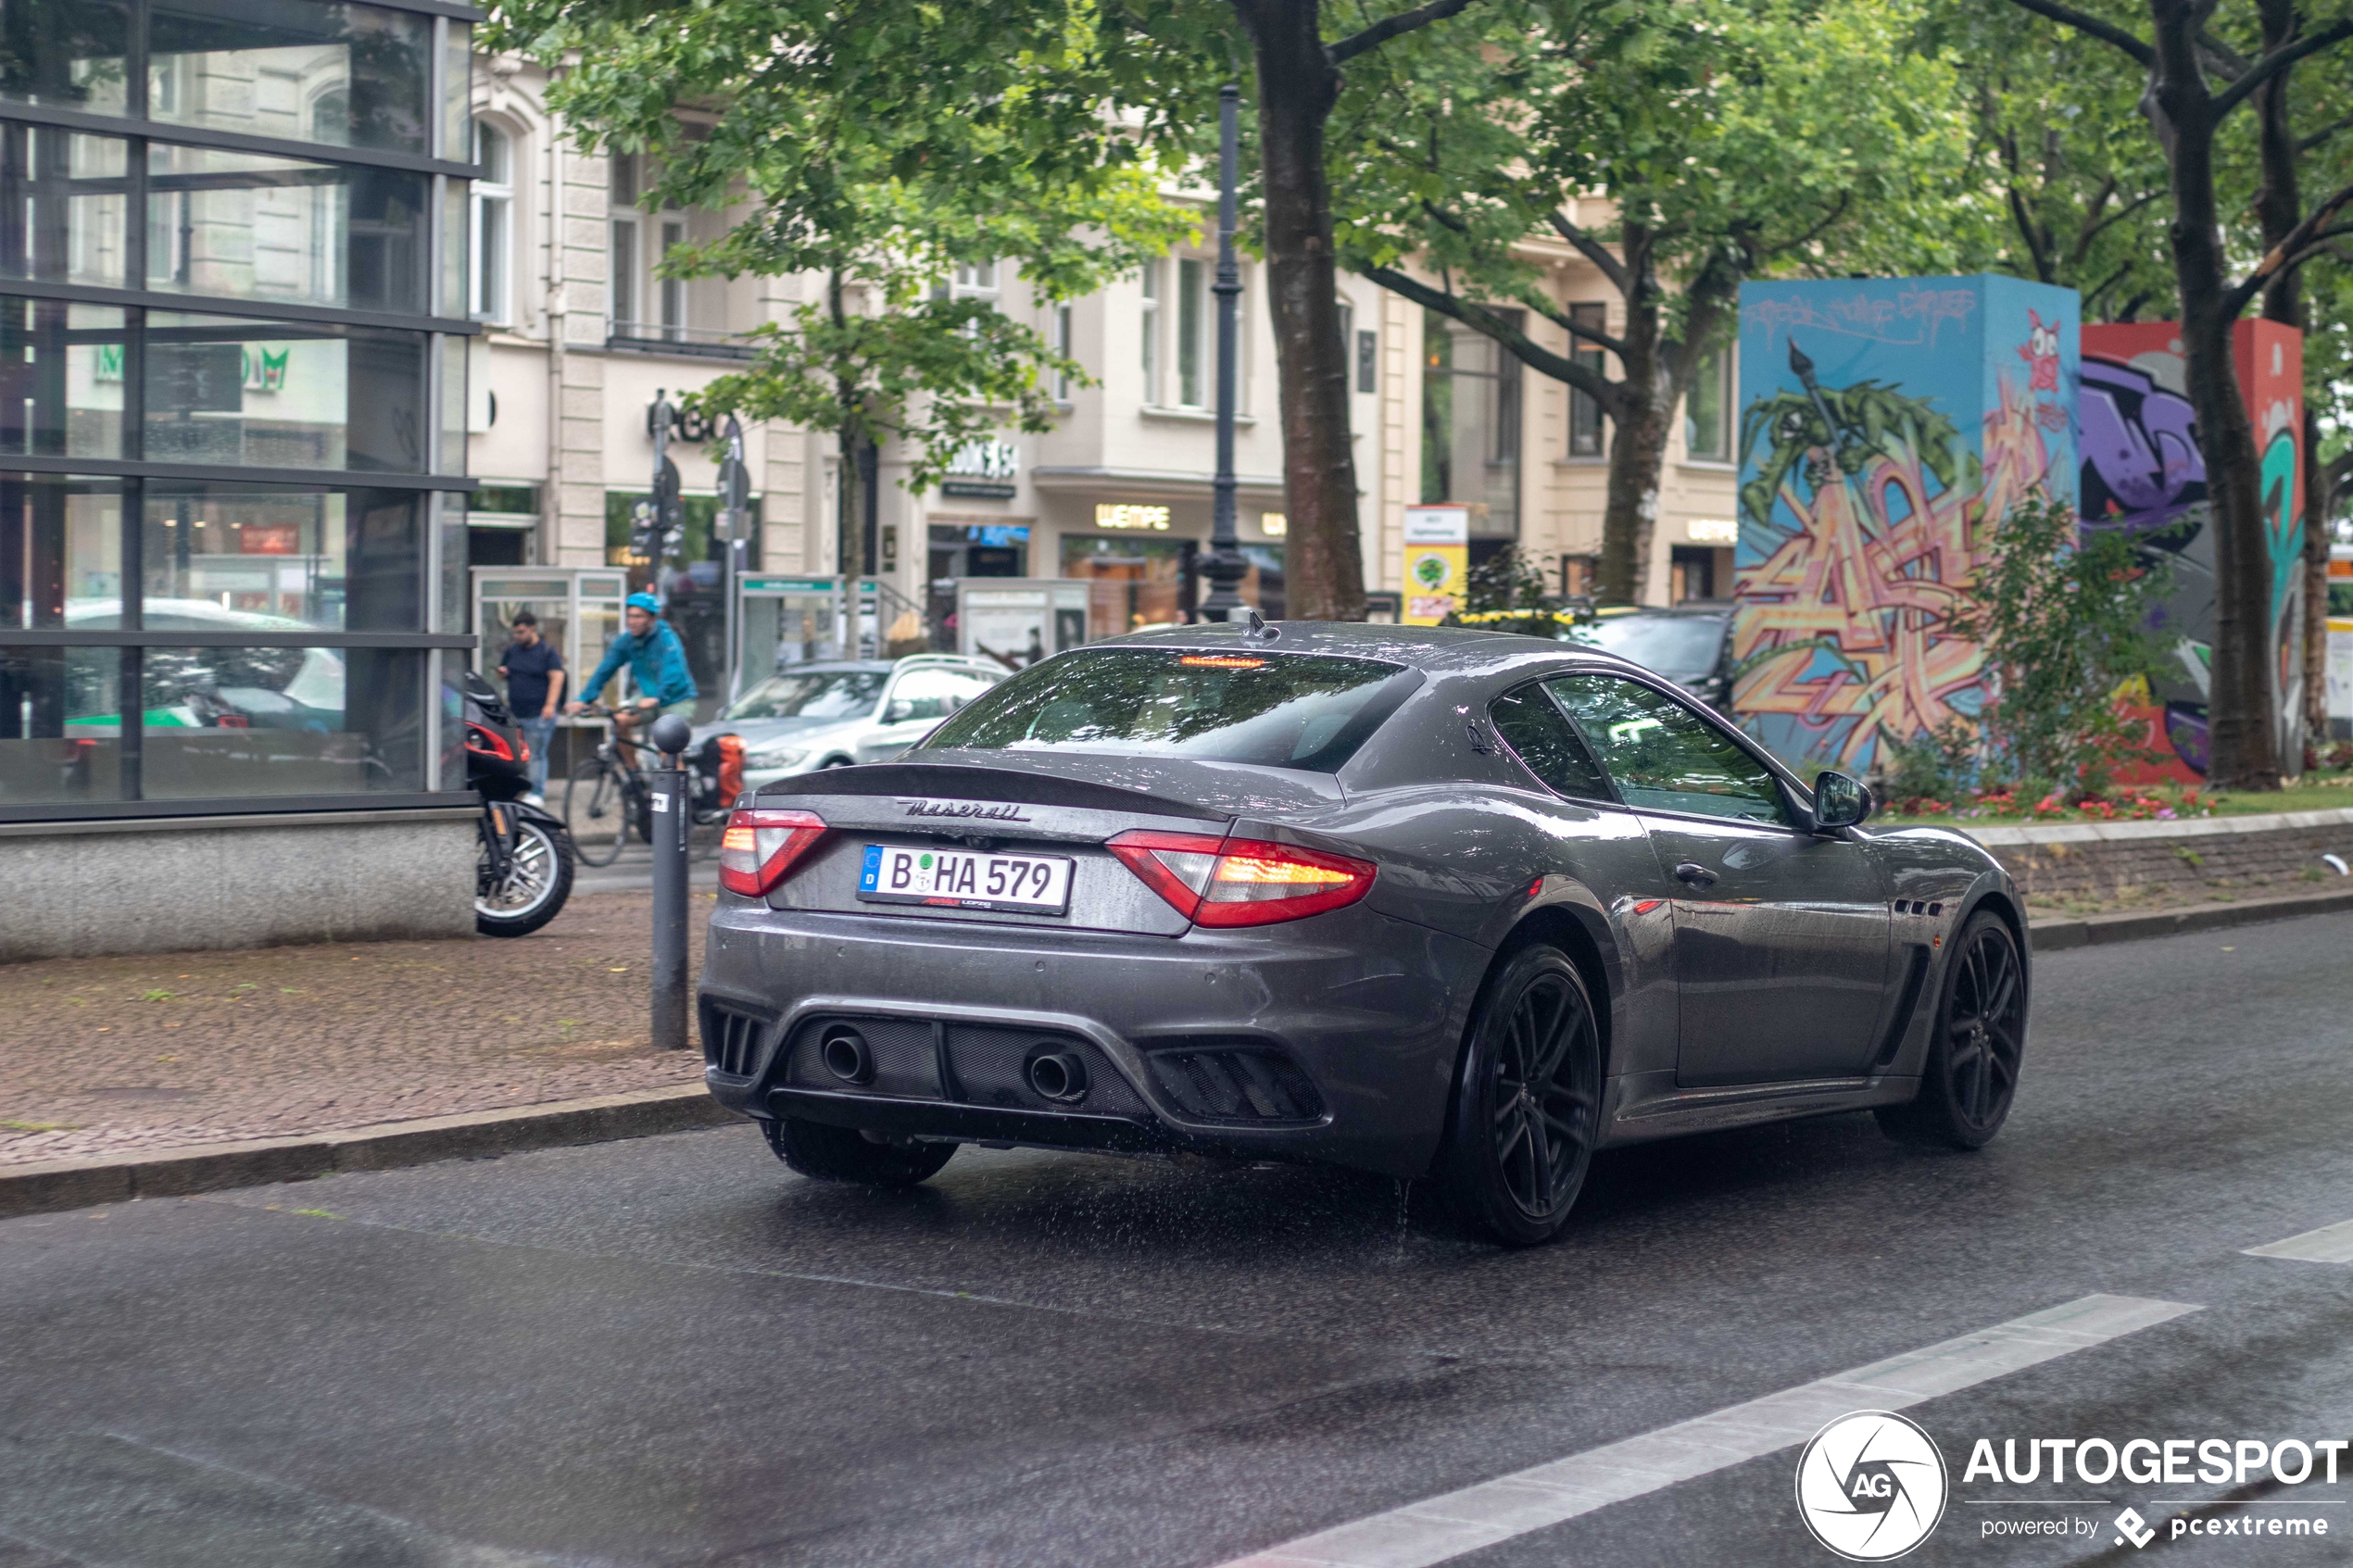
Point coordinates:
[(963, 879)]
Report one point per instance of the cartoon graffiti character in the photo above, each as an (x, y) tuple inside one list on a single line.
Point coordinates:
[(2041, 351)]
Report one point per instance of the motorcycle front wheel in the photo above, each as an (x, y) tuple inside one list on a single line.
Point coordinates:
[(538, 880)]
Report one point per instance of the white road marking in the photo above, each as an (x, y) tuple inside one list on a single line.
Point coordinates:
[(1443, 1528), (2330, 1244)]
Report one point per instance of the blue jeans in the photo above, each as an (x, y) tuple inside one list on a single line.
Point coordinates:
[(541, 734)]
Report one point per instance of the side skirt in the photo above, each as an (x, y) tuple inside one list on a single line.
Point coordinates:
[(1641, 1107)]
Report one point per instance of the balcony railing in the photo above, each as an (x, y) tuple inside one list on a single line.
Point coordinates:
[(656, 338)]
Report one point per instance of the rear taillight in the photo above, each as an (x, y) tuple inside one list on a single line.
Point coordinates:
[(1229, 882), (760, 848)]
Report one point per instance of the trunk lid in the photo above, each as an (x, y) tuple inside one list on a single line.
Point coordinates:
[(1060, 807)]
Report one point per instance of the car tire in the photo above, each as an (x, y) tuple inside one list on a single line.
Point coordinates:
[(826, 1153), (1970, 1075), (1526, 1102)]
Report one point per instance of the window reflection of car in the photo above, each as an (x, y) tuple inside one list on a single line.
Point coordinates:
[(257, 688), (835, 713), (1690, 645)]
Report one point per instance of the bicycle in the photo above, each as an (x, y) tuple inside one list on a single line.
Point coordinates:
[(605, 798)]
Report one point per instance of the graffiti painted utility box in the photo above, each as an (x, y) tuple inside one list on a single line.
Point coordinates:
[(1883, 421), (2141, 472)]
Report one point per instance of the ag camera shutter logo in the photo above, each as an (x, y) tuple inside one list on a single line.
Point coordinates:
[(1872, 1486)]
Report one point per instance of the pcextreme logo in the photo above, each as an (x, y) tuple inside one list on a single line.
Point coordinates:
[(1872, 1486)]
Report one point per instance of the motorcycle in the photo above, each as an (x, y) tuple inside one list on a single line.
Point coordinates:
[(523, 873)]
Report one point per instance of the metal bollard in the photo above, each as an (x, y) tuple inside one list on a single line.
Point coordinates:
[(672, 810)]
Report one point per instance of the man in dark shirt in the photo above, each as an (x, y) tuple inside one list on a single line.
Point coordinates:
[(535, 676)]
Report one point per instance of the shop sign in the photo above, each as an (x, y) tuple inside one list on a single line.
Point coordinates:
[(1127, 515), (1713, 531), (1273, 525), (983, 469), (1437, 560)]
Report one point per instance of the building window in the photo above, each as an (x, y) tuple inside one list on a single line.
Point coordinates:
[(245, 604), (1585, 439), (1064, 346), (362, 73), (623, 261), (249, 226), (1192, 351), (494, 202), (673, 290), (1470, 424), (1368, 361), (1579, 574), (1149, 322), (971, 279), (1708, 404)]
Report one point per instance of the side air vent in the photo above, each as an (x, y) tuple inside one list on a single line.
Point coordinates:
[(1236, 1084), (731, 1041)]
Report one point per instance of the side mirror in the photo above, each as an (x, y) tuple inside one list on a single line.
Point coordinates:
[(898, 711), (1839, 801)]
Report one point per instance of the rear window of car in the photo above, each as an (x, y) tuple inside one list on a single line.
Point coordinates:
[(1308, 711)]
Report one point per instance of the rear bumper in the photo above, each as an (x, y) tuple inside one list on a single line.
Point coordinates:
[(1370, 1009)]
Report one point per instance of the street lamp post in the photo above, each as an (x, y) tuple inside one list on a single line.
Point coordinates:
[(1225, 567)]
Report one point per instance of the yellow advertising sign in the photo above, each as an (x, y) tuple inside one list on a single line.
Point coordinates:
[(1437, 559)]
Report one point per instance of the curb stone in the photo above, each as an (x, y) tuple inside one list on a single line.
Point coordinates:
[(172, 1172), (2057, 935), (195, 1168)]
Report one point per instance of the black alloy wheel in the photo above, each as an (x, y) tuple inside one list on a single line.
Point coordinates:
[(1527, 1103), (1970, 1075)]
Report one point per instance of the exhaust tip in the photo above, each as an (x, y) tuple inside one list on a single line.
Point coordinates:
[(1060, 1076), (847, 1055)]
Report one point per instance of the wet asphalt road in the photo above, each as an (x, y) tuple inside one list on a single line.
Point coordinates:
[(672, 1351)]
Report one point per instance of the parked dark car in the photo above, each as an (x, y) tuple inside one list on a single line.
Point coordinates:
[(1690, 645), (1421, 901)]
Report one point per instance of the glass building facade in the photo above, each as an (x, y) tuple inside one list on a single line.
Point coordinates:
[(232, 331)]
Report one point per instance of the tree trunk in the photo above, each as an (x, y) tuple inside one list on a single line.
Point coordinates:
[(1657, 372), (1639, 433), (2280, 206), (1298, 85), (2240, 706)]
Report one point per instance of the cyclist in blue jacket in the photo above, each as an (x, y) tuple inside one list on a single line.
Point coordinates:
[(657, 663)]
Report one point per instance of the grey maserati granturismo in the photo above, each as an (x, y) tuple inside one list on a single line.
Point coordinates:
[(1431, 903)]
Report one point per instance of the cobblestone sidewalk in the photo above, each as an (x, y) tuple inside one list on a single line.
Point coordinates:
[(103, 1055)]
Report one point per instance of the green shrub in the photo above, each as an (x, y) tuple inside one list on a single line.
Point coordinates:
[(2064, 617)]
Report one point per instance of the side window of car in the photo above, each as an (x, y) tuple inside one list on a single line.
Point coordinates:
[(1664, 756), (1548, 744)]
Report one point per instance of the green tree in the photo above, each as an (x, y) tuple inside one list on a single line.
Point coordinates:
[(984, 126), (874, 149), (2059, 142), (2202, 61), (2064, 616), (1731, 138)]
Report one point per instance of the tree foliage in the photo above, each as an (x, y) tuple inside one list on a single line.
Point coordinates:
[(1724, 139), (874, 147)]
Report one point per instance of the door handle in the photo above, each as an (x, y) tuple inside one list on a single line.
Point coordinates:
[(1695, 873)]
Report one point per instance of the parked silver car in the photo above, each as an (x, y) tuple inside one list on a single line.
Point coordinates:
[(832, 714)]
